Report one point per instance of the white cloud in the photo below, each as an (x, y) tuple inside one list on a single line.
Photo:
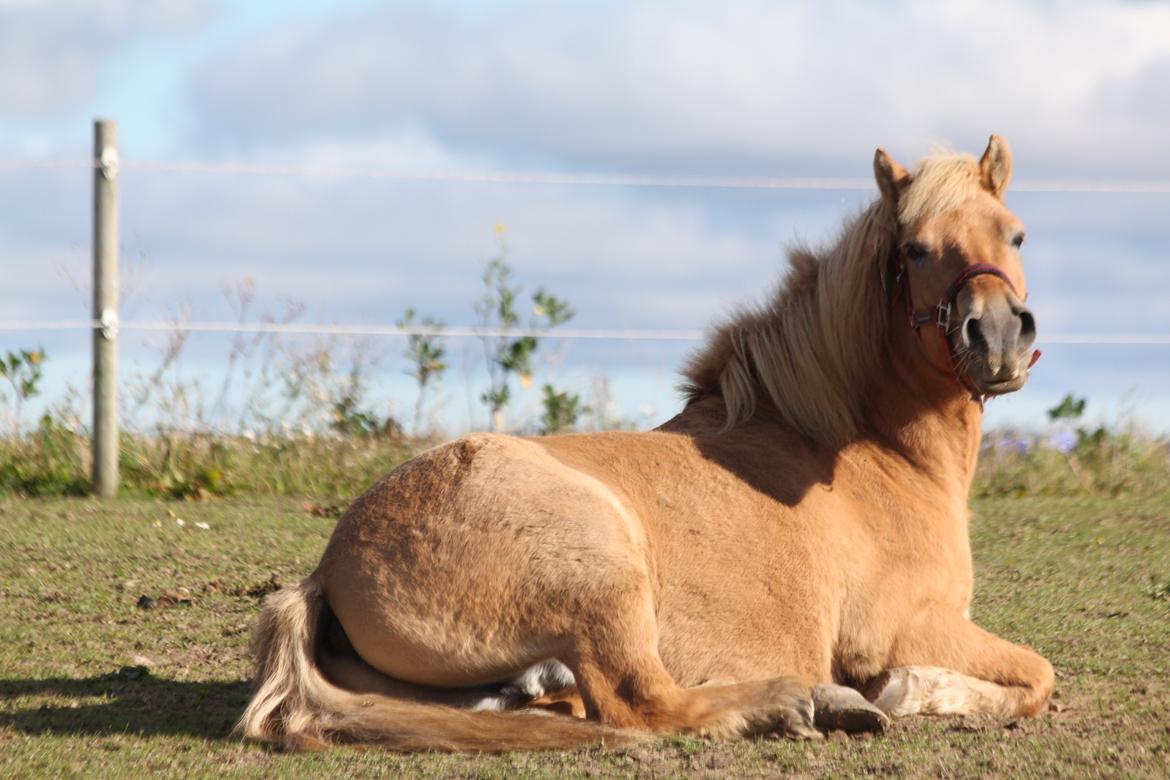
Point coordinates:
[(54, 55), (746, 86), (756, 88), (367, 250)]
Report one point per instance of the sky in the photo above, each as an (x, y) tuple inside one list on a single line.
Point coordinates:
[(773, 89)]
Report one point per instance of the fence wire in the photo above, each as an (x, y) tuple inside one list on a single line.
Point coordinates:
[(598, 334), (310, 171), (529, 178)]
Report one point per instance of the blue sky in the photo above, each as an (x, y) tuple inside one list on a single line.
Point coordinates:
[(752, 88)]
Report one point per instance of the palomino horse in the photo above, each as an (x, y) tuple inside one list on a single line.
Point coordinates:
[(797, 533)]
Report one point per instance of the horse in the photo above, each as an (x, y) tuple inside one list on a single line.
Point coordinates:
[(791, 551)]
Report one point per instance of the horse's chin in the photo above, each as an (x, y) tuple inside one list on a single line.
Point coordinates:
[(1002, 387), (992, 383)]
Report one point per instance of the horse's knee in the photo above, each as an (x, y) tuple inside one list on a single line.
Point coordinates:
[(1040, 685), (1030, 677)]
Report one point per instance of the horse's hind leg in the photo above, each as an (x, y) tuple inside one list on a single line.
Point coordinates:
[(624, 683)]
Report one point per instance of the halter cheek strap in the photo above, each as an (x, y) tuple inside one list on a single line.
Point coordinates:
[(940, 315)]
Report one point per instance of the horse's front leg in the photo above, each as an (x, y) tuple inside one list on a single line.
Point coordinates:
[(943, 664)]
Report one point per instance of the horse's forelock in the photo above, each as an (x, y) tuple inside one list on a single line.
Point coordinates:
[(941, 182)]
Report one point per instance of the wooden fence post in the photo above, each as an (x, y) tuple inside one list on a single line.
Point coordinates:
[(105, 309)]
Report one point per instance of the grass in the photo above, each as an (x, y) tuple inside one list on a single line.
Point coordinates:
[(1099, 463), (55, 461), (92, 685)]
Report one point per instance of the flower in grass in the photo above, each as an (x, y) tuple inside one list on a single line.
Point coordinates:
[(180, 522), (202, 526), (1018, 444), (1063, 441)]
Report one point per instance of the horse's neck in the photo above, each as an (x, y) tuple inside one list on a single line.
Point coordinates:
[(942, 442), (916, 414), (926, 417)]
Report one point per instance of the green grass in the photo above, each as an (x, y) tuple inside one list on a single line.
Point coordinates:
[(1100, 464), (91, 685), (55, 461)]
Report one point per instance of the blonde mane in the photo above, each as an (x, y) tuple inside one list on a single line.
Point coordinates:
[(815, 350)]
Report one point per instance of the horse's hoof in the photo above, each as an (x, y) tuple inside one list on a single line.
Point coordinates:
[(896, 692), (788, 714), (843, 709)]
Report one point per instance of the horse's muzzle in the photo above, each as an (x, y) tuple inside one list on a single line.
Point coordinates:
[(995, 344)]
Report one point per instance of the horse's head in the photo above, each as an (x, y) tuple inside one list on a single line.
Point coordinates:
[(957, 269)]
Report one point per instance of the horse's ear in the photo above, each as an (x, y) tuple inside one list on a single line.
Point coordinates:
[(995, 166), (892, 178)]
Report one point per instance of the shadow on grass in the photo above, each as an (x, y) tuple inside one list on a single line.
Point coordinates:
[(136, 703)]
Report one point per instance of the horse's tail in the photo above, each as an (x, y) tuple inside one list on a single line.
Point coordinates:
[(296, 705)]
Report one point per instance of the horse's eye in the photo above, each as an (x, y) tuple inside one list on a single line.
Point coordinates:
[(1018, 240), (915, 251)]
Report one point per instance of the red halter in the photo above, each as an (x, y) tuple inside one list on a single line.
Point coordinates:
[(940, 315)]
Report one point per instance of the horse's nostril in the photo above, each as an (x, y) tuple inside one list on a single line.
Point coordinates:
[(973, 333), (1027, 327)]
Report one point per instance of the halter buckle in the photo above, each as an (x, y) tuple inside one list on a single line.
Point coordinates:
[(944, 316)]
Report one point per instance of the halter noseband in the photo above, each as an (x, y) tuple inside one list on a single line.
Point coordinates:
[(940, 315)]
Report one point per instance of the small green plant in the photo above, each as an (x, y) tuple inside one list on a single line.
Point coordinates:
[(425, 351), (193, 468), (1088, 452), (561, 411), (47, 462), (23, 371), (497, 309), (553, 310), (1069, 408), (350, 420), (510, 353), (687, 745)]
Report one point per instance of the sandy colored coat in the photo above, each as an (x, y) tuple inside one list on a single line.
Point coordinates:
[(803, 521)]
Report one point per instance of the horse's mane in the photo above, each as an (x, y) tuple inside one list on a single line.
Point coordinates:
[(816, 349)]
